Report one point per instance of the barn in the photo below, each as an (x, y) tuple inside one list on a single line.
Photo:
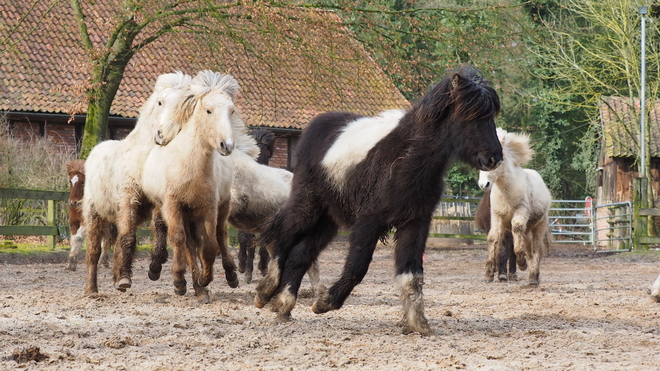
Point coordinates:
[(616, 164), (285, 83)]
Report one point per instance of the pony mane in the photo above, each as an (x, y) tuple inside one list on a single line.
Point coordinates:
[(75, 166), (515, 146), (264, 136), (175, 80), (207, 80), (464, 93)]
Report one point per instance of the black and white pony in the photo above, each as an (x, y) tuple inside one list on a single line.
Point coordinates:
[(375, 174)]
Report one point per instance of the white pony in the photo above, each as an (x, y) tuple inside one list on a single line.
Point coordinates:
[(520, 202), (257, 193), (190, 176), (113, 189)]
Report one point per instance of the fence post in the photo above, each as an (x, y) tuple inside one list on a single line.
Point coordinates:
[(50, 220), (639, 202)]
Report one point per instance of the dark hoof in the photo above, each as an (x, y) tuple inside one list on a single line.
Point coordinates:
[(180, 287), (241, 267), (123, 284), (320, 307), (533, 283), (513, 277), (503, 277), (232, 280), (522, 265), (154, 276), (247, 278), (205, 281)]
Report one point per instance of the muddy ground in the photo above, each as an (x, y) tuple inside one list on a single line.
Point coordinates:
[(591, 312)]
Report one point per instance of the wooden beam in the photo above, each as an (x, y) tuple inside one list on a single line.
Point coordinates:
[(649, 212)]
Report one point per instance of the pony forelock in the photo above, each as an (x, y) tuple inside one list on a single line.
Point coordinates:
[(207, 80), (516, 147), (74, 166), (174, 80)]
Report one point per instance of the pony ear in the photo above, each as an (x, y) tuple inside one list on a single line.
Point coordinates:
[(455, 80)]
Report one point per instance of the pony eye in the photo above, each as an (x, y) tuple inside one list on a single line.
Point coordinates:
[(208, 111), (160, 103), (232, 111)]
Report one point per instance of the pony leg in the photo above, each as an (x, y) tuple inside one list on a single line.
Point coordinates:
[(520, 245), (263, 260), (299, 261), (410, 245), (538, 245), (495, 236), (176, 237), (106, 243), (243, 241), (507, 245), (192, 254), (94, 224), (221, 237), (362, 243), (158, 246), (246, 251), (288, 227), (127, 224), (315, 279), (76, 247)]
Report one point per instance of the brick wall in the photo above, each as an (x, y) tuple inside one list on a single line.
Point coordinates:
[(280, 157), (63, 136)]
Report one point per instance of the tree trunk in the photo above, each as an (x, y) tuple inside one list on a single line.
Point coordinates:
[(105, 83)]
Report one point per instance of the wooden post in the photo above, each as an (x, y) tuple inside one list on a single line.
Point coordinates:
[(639, 202), (50, 219)]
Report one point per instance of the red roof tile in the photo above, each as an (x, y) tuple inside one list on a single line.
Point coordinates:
[(284, 84)]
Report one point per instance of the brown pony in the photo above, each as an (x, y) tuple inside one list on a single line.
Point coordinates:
[(506, 254), (76, 171)]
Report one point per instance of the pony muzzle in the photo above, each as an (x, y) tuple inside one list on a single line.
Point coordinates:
[(226, 147), (158, 138)]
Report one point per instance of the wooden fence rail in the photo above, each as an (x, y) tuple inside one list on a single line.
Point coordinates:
[(51, 229), (55, 228)]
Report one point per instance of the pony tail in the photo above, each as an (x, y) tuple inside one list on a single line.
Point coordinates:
[(517, 147)]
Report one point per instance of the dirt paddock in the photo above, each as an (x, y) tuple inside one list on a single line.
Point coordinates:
[(591, 312)]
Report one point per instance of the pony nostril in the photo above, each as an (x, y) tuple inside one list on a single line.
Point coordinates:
[(223, 146)]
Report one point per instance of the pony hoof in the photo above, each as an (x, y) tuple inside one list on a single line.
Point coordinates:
[(180, 292), (123, 284), (533, 283), (320, 307), (513, 277), (260, 301), (154, 276), (503, 277), (488, 280), (248, 279), (70, 267), (203, 298), (283, 318), (232, 281), (522, 265)]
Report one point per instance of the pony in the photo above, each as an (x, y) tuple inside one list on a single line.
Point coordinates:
[(247, 241), (189, 177), (519, 202), (372, 175), (113, 191), (655, 290), (76, 172), (257, 192), (506, 267)]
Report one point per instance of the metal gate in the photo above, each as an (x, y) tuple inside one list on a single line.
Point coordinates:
[(571, 221), (613, 232)]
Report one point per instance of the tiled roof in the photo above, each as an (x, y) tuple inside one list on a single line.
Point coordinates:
[(283, 84), (621, 127)]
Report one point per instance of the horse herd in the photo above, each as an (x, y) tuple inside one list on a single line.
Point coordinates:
[(191, 167)]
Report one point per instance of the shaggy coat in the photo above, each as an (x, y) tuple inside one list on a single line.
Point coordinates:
[(655, 290), (372, 175), (506, 267), (113, 189), (520, 202), (190, 179)]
